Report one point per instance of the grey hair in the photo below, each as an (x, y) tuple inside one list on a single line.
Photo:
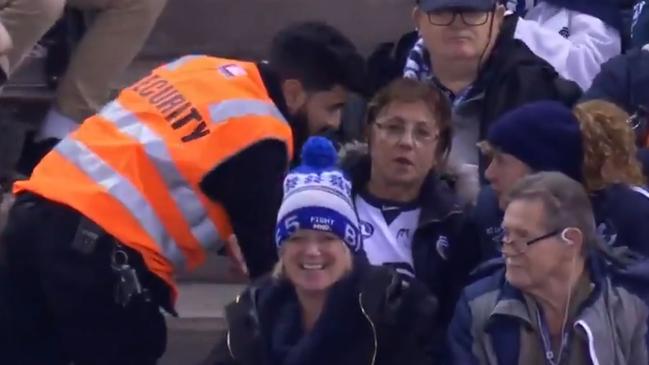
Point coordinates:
[(566, 205)]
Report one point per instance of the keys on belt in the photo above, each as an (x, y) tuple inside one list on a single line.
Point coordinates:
[(128, 286)]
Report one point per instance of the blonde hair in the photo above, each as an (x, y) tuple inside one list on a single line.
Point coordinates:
[(609, 146)]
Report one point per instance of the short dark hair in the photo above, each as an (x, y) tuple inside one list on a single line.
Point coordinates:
[(409, 91), (319, 56)]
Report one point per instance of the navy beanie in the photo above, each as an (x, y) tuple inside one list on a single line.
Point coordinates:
[(545, 135)]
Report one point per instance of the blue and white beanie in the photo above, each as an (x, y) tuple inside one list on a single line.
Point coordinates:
[(318, 196)]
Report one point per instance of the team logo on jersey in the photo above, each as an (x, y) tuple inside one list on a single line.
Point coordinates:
[(403, 237), (608, 233), (442, 246), (232, 70), (367, 229), (496, 234), (565, 32)]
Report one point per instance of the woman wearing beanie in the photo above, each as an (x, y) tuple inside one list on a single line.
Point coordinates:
[(593, 144), (324, 304)]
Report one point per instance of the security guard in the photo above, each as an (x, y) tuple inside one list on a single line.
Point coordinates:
[(182, 159)]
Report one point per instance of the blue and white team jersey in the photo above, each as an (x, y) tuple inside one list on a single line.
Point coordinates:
[(388, 229)]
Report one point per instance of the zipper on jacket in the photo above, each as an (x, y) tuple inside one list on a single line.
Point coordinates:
[(227, 336), (591, 342), (230, 346), (369, 320)]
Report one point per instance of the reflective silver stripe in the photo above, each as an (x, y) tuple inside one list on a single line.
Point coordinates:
[(122, 190), (180, 61), (227, 109), (187, 201)]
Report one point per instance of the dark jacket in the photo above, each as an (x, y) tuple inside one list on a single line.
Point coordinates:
[(444, 252), (513, 76), (486, 327), (621, 214), (370, 317), (623, 80)]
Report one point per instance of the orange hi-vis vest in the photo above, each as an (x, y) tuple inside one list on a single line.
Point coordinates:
[(135, 167)]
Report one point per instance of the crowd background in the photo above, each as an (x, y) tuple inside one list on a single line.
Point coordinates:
[(497, 189)]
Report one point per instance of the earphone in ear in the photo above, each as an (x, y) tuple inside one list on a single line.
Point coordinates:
[(564, 236)]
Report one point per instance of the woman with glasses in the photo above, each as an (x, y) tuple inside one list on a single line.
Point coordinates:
[(410, 219)]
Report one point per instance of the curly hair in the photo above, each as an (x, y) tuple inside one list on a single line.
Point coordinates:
[(609, 146)]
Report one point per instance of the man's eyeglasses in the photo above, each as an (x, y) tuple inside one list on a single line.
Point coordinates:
[(521, 246), (469, 17), (394, 132)]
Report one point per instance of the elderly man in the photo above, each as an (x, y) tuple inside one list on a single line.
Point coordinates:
[(556, 301), (470, 52)]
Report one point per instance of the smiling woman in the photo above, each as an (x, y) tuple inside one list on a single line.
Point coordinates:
[(324, 304)]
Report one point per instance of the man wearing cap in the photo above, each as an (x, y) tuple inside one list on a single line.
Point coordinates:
[(469, 51)]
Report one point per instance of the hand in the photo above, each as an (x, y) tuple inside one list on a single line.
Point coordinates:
[(237, 262)]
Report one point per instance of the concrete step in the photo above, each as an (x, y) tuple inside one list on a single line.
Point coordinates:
[(205, 300), (217, 26), (200, 324)]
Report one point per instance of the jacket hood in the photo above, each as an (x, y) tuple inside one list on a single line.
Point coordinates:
[(442, 193)]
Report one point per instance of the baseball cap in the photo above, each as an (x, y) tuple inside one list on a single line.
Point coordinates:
[(433, 5)]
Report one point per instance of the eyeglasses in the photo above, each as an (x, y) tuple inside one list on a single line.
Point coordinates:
[(394, 132), (469, 17), (639, 119), (521, 246)]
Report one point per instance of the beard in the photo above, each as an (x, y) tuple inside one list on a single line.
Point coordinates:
[(300, 128), (301, 132)]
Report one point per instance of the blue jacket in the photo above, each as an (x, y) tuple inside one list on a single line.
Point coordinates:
[(486, 327), (621, 214), (623, 80)]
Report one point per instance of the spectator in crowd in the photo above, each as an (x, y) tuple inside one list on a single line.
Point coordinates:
[(410, 218), (640, 24), (593, 145), (574, 36), (109, 45), (558, 300), (624, 80), (485, 72), (324, 304)]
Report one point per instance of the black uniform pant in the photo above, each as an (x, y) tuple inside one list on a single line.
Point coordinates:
[(57, 298)]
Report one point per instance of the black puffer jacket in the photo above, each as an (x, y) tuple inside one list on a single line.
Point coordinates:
[(371, 317)]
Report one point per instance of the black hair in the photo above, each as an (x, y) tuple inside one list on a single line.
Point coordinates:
[(319, 56)]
